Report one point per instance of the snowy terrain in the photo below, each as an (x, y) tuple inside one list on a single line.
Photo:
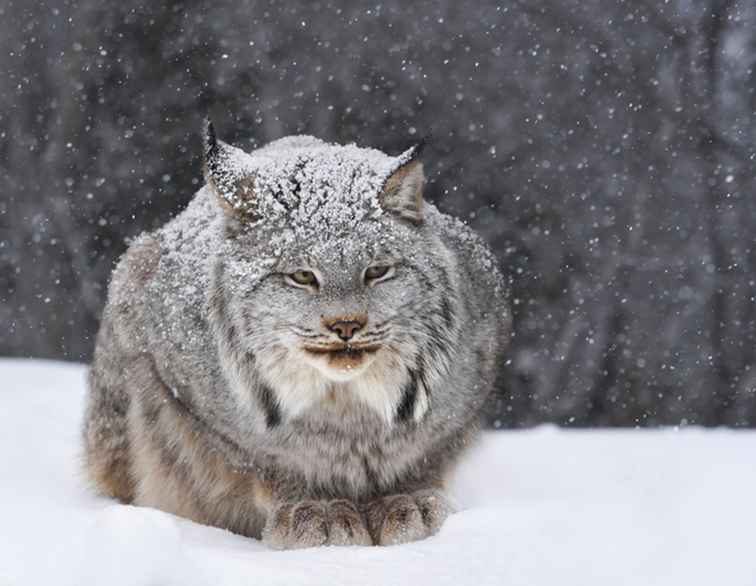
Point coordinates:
[(538, 507)]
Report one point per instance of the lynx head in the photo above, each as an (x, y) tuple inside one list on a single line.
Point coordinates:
[(332, 284)]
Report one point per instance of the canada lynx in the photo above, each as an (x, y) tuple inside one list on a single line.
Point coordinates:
[(299, 356)]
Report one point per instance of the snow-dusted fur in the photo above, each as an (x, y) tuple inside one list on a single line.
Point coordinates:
[(302, 354)]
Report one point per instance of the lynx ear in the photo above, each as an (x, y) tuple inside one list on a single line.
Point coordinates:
[(403, 191), (228, 173)]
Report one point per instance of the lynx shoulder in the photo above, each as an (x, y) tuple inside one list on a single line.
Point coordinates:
[(302, 354)]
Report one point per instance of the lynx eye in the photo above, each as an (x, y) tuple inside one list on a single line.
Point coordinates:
[(304, 278), (376, 273)]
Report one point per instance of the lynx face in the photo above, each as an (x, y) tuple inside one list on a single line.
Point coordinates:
[(345, 307), (339, 308), (333, 285)]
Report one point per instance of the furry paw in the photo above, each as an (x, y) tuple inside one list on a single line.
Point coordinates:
[(313, 523), (402, 518)]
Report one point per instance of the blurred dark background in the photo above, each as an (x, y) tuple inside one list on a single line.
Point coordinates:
[(604, 148)]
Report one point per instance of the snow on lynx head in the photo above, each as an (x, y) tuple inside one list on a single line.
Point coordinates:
[(332, 277)]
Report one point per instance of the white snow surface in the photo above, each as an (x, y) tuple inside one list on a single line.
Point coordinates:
[(537, 507)]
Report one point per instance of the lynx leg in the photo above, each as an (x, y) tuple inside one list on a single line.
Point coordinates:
[(106, 445)]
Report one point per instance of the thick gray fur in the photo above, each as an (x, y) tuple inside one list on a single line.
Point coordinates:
[(202, 401)]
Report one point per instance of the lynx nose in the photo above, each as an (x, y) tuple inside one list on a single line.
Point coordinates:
[(345, 327)]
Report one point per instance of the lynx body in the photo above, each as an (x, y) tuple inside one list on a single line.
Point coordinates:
[(299, 356)]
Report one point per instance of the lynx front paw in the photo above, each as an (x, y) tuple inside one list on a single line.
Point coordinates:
[(313, 523), (403, 518)]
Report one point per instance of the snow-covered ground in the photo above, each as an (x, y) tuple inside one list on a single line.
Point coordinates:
[(538, 507)]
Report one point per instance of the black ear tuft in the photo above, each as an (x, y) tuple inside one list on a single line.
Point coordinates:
[(419, 147), (210, 140), (414, 151)]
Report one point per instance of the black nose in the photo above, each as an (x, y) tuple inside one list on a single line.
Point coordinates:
[(345, 328)]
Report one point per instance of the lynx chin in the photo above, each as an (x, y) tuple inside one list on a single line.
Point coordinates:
[(302, 354)]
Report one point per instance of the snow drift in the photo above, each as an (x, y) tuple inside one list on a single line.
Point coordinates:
[(537, 507)]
